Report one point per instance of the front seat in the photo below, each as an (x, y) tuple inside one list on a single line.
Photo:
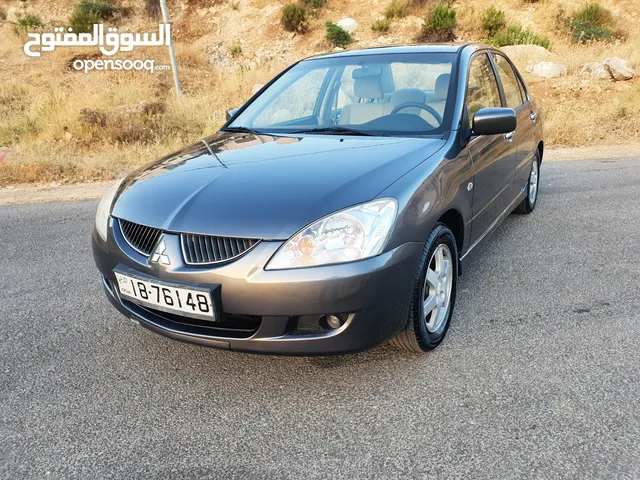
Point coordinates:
[(441, 90), (408, 95), (365, 87)]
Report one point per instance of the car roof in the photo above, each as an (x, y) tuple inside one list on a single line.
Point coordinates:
[(401, 49)]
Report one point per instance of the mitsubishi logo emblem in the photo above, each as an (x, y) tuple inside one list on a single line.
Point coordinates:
[(159, 255)]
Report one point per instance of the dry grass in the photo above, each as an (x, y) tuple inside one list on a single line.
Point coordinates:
[(50, 139)]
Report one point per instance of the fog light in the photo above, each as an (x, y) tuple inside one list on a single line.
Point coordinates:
[(333, 321)]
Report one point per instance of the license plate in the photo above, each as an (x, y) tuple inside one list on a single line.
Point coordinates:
[(167, 298)]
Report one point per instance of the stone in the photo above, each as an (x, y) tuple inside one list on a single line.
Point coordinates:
[(348, 24), (256, 87), (549, 70), (12, 15), (594, 70), (618, 68)]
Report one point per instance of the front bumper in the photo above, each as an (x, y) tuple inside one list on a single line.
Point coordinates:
[(274, 311)]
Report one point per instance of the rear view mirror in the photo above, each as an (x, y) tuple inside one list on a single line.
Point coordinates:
[(493, 121), (231, 112)]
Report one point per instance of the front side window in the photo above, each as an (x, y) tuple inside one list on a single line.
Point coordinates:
[(510, 83), (482, 89), (385, 94)]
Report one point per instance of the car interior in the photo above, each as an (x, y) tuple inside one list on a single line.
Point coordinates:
[(373, 103)]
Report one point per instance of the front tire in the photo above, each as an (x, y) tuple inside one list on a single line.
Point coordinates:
[(434, 294), (529, 203)]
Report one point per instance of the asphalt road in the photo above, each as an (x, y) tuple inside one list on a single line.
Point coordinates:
[(539, 376)]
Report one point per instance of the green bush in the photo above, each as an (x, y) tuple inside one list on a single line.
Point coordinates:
[(439, 26), (337, 36), (583, 32), (26, 23), (315, 3), (397, 9), (516, 35), (492, 21), (381, 25), (235, 49), (593, 13), (295, 18), (87, 12), (591, 23)]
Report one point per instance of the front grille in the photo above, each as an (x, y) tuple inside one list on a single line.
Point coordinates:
[(206, 249), (140, 237)]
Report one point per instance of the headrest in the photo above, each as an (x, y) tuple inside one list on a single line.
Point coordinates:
[(368, 87), (406, 95), (442, 86)]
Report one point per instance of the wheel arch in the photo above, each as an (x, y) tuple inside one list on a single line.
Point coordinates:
[(541, 149), (452, 218)]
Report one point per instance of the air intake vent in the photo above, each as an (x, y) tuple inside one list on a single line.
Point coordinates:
[(141, 238), (206, 249)]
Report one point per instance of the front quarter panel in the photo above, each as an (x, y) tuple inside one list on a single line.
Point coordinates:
[(430, 190)]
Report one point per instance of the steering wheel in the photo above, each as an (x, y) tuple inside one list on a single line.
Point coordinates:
[(434, 113)]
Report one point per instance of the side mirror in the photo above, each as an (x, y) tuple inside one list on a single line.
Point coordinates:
[(493, 121), (231, 112)]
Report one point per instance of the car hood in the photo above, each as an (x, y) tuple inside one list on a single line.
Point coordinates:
[(262, 186)]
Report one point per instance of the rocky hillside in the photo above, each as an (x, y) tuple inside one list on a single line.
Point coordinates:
[(60, 124)]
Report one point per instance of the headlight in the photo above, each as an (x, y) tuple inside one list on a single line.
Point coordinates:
[(352, 234), (104, 209)]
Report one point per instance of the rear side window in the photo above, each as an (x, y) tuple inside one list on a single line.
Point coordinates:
[(510, 83), (482, 88)]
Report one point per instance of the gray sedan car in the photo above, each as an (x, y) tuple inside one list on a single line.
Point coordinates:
[(334, 210)]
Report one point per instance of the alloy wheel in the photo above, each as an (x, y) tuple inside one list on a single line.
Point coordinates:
[(437, 288), (533, 183)]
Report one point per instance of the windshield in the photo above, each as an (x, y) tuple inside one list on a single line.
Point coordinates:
[(386, 94)]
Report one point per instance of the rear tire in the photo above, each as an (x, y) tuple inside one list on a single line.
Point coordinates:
[(529, 203), (434, 290)]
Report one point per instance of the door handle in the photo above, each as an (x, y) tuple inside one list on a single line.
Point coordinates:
[(533, 116), (509, 136)]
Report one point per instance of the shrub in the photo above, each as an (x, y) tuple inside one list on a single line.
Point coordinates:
[(28, 22), (591, 23), (235, 5), (235, 49), (315, 3), (295, 18), (337, 36), (583, 32), (516, 35), (381, 25), (152, 8), (593, 13), (439, 26), (397, 9), (492, 21), (86, 13)]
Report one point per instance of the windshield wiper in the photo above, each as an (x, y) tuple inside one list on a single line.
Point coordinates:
[(241, 130), (337, 130)]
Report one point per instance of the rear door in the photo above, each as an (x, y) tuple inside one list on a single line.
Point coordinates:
[(517, 98), (493, 156)]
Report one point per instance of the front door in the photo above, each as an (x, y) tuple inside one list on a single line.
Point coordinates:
[(493, 156)]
